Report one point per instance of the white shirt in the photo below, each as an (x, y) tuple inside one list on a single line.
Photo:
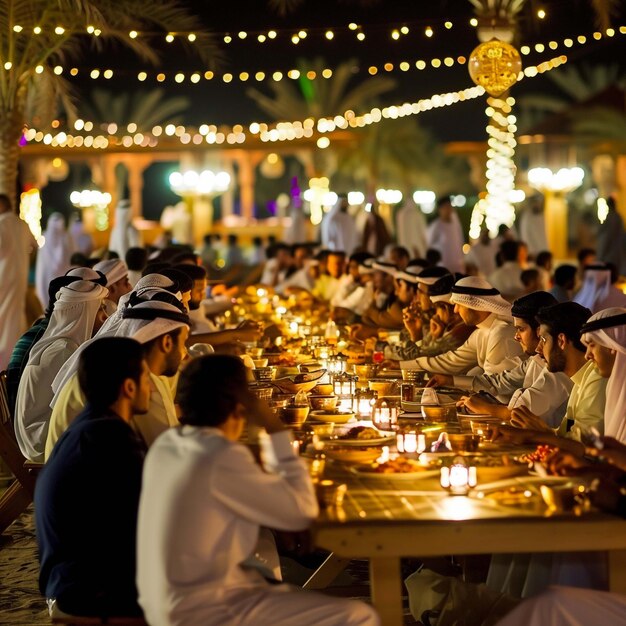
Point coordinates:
[(411, 230), (352, 296), (492, 347), (272, 274), (530, 384), (483, 256), (202, 502), (200, 323), (447, 238), (341, 232)]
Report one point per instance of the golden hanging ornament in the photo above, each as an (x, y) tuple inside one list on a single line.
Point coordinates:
[(495, 65)]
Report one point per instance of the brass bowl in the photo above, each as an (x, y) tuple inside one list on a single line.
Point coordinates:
[(364, 372), (439, 412), (382, 387), (323, 403), (463, 442), (260, 363), (264, 374), (324, 389), (294, 415)]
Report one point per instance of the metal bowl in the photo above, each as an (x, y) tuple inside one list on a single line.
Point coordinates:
[(294, 415), (323, 403), (463, 442), (382, 387), (325, 389)]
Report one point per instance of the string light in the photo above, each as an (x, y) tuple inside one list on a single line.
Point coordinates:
[(282, 131)]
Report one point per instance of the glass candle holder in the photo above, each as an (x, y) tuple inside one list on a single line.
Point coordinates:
[(364, 400), (337, 364), (409, 441), (385, 413), (459, 477)]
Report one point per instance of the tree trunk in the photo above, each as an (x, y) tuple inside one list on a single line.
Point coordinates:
[(11, 125)]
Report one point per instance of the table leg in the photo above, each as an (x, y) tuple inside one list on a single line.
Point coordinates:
[(386, 585), (617, 571), (326, 572)]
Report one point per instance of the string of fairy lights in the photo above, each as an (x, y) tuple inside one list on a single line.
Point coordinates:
[(276, 75), (212, 134)]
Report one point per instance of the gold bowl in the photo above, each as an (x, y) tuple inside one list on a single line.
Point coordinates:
[(294, 415), (382, 387), (323, 403), (323, 389)]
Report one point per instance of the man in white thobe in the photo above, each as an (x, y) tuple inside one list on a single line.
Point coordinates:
[(16, 244), (446, 235), (203, 501), (530, 384), (411, 229), (76, 317), (123, 234), (339, 229), (491, 347)]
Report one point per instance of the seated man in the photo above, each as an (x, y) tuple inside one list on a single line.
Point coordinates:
[(491, 347), (118, 283), (203, 501), (530, 384), (560, 328), (87, 494)]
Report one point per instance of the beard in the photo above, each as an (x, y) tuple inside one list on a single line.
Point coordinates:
[(194, 305), (556, 360)]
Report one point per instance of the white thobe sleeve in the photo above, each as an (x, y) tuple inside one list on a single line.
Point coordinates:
[(501, 383), (281, 498)]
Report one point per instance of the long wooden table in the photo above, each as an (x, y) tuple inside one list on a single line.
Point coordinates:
[(383, 520)]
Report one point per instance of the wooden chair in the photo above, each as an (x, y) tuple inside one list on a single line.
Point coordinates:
[(20, 492)]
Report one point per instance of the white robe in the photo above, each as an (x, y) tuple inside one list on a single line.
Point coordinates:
[(340, 231), (123, 234), (411, 230), (483, 256), (202, 503), (533, 231), (447, 238), (16, 244), (53, 258)]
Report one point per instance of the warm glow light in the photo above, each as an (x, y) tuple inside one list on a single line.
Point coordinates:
[(541, 14), (355, 198)]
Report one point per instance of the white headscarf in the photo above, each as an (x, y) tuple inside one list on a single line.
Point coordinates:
[(119, 328), (478, 294), (73, 316), (53, 258), (597, 292), (608, 328), (113, 269)]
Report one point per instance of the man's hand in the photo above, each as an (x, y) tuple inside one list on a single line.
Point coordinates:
[(517, 436), (437, 327), (562, 463), (477, 404), (390, 364), (440, 380), (521, 417), (605, 494), (249, 331)]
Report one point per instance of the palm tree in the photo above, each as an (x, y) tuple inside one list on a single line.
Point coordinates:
[(147, 108), (601, 124), (321, 97), (401, 154), (36, 35)]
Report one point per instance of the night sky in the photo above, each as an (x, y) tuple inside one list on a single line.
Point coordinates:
[(217, 102)]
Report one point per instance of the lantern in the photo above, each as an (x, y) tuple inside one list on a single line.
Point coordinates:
[(410, 442), (344, 386), (385, 413), (364, 400), (337, 363), (495, 65), (459, 477)]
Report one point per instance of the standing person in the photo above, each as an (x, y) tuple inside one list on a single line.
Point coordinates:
[(446, 236), (533, 225), (482, 254), (203, 501), (77, 315), (123, 234), (611, 238), (339, 229), (233, 256), (16, 244), (376, 237), (87, 495), (53, 258), (411, 229), (597, 291)]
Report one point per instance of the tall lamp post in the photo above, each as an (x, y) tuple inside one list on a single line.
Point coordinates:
[(197, 189), (555, 186)]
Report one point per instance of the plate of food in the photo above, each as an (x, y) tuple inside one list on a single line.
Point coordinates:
[(400, 467), (360, 436), (338, 417)]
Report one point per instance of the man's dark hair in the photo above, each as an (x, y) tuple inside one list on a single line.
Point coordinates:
[(154, 267), (584, 252), (195, 272), (100, 382), (182, 281), (565, 275), (528, 277), (360, 257), (257, 241), (401, 251), (136, 259), (443, 200), (232, 239), (340, 253), (79, 259), (543, 258), (527, 307), (187, 256), (272, 249), (5, 201), (565, 318), (433, 257), (509, 250), (210, 388)]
